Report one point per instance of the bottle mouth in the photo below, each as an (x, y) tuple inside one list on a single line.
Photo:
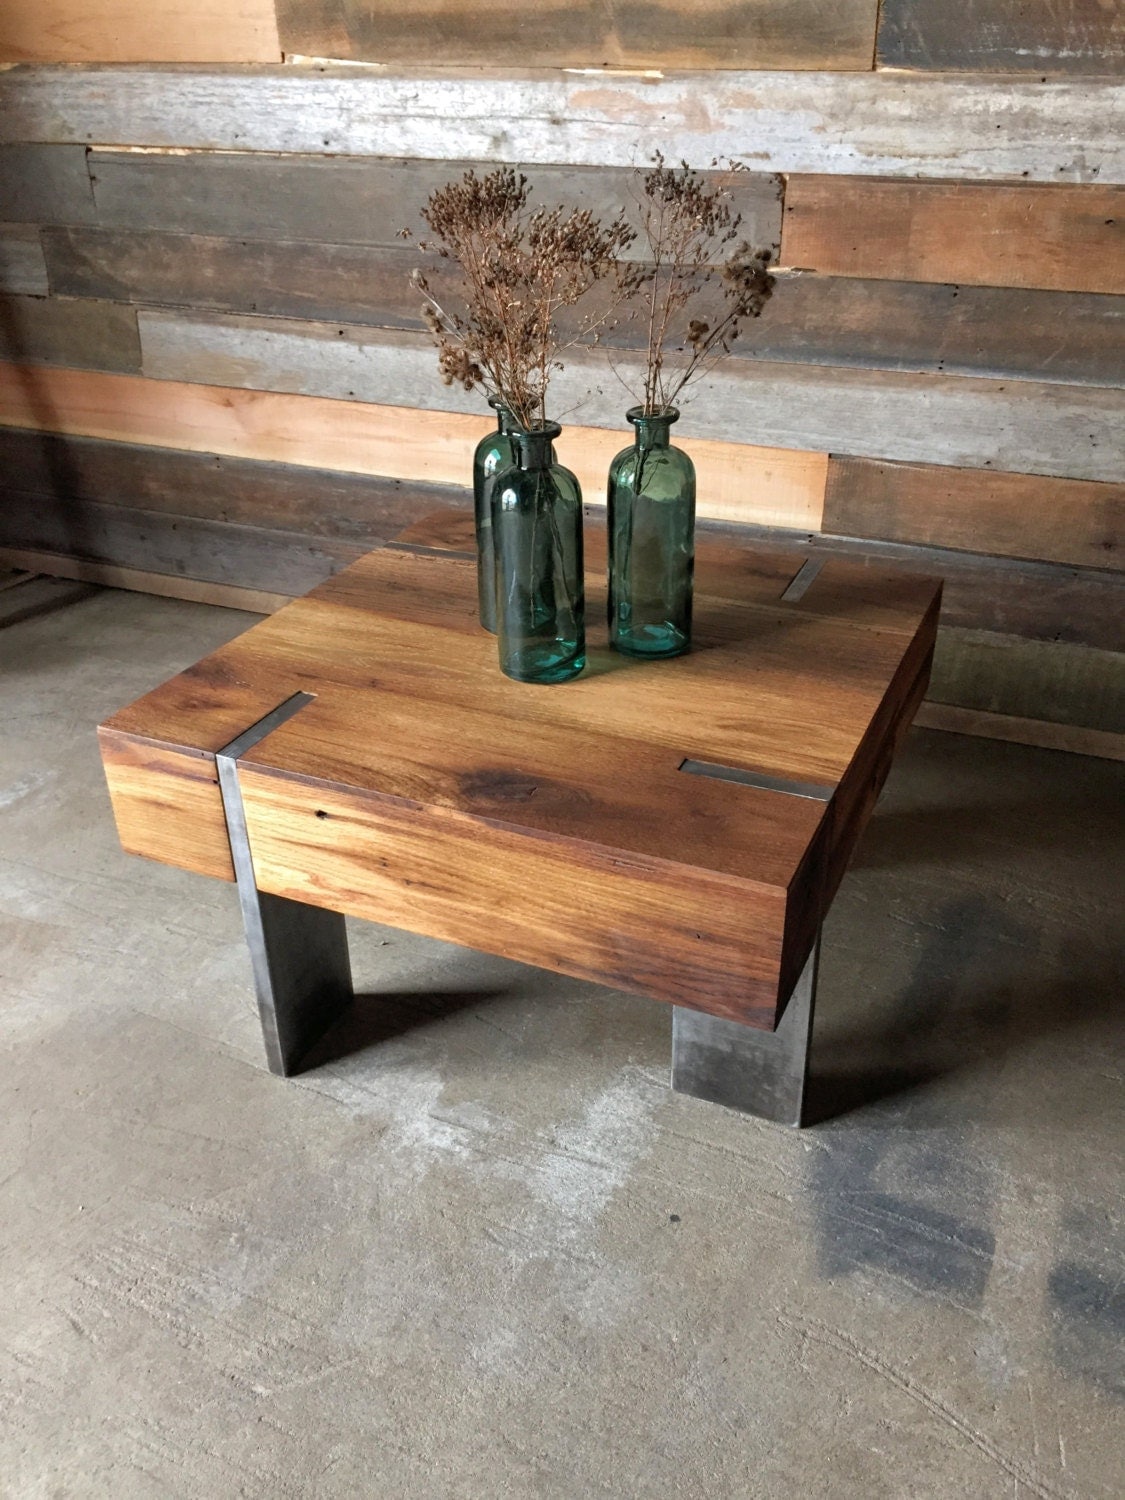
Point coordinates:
[(637, 414), (544, 430)]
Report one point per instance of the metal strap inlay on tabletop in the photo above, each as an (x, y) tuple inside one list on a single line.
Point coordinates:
[(419, 549), (803, 579), (813, 790)]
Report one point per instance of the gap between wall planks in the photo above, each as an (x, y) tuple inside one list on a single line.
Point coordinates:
[(775, 487), (1057, 238), (888, 124), (138, 31)]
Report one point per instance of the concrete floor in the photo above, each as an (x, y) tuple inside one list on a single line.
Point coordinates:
[(482, 1250)]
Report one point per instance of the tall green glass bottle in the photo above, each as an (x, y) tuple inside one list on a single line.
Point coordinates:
[(651, 519), (540, 585), (494, 453)]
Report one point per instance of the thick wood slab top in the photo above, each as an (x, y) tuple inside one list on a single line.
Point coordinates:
[(412, 726)]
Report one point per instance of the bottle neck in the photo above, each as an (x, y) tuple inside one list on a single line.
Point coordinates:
[(535, 449), (652, 430)]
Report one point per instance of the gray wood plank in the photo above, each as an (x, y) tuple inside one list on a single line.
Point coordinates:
[(880, 124), (22, 266), (63, 331), (1027, 427), (45, 184), (352, 200), (1082, 36), (316, 502), (212, 551), (1062, 683), (586, 33)]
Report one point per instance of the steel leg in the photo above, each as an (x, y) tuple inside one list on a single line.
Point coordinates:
[(299, 953), (759, 1072)]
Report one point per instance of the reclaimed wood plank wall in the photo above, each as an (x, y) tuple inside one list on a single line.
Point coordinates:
[(214, 381)]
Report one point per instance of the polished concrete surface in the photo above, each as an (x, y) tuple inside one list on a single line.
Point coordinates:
[(481, 1250)]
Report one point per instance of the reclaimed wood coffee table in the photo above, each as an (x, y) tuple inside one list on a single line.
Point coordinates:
[(676, 829)]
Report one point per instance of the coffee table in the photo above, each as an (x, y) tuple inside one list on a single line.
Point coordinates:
[(675, 829)]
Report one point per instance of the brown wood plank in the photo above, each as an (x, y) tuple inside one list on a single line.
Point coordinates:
[(1038, 732), (317, 503), (354, 200), (736, 482), (85, 31), (1010, 515), (1001, 674), (1056, 237), (1074, 337), (1003, 36), (45, 184), (684, 34), (70, 331), (22, 267), (212, 551)]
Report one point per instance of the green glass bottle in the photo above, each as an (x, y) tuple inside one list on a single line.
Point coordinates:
[(651, 519), (494, 453), (540, 586)]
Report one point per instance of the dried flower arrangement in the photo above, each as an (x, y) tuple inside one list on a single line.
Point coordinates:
[(519, 269), (686, 324)]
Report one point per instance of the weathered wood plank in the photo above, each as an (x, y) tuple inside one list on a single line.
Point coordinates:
[(122, 31), (352, 200), (664, 34), (1060, 238), (165, 585), (773, 486), (45, 185), (212, 551), (1049, 680), (314, 502), (887, 124), (64, 331), (22, 267), (1022, 426), (1082, 36), (1069, 337), (1011, 515), (1038, 732)]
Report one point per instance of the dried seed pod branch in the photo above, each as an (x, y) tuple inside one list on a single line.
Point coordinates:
[(686, 321), (518, 269)]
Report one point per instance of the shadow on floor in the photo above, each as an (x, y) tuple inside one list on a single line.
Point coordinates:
[(372, 1019)]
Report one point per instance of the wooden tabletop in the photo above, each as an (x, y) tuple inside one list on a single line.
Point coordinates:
[(558, 825)]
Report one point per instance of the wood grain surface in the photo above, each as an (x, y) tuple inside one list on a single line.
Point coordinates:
[(78, 332), (1060, 238), (1038, 732), (1022, 425), (44, 184), (22, 267), (1003, 36), (662, 34), (1050, 680), (355, 200), (1010, 515), (164, 585), (871, 124), (123, 31), (643, 881), (773, 486)]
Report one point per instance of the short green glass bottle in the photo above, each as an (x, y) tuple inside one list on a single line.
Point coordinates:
[(540, 587), (494, 453), (651, 519)]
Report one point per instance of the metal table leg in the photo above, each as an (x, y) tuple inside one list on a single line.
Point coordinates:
[(759, 1072), (299, 953)]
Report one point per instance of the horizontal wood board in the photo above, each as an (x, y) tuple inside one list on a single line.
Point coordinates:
[(82, 333), (22, 267), (357, 200), (1010, 515), (873, 124), (584, 33), (773, 486), (1060, 238), (125, 31), (1023, 426), (45, 184), (1003, 36), (1030, 679)]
